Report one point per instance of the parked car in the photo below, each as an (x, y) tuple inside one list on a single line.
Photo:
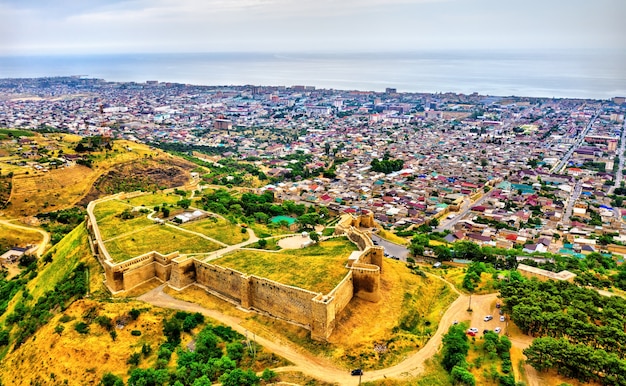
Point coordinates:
[(486, 331), (498, 305), (437, 264), (488, 318), (497, 330), (471, 333), (501, 312), (356, 372), (502, 318), (473, 329)]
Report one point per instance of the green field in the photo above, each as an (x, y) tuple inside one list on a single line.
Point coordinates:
[(262, 230), (111, 225), (318, 268), (154, 199), (161, 238), (107, 209), (218, 229)]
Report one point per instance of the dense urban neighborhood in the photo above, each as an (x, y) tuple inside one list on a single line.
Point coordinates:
[(544, 175), (469, 198)]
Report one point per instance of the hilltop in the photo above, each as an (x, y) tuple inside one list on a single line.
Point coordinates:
[(45, 172)]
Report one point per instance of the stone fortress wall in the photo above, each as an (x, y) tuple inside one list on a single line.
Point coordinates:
[(314, 311)]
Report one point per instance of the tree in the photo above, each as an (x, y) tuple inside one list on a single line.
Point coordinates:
[(109, 379), (184, 203), (314, 236), (455, 347), (234, 351), (239, 377), (462, 376), (442, 252), (262, 243)]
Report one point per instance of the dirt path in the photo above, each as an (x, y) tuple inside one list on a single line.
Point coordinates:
[(44, 242), (324, 369)]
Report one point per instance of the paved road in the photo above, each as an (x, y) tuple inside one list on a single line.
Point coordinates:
[(449, 223), (579, 140), (572, 200), (397, 250), (620, 167), (44, 242)]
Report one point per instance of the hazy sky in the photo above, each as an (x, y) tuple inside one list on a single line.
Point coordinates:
[(109, 26)]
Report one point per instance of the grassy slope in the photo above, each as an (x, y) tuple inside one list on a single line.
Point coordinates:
[(61, 188), (10, 237)]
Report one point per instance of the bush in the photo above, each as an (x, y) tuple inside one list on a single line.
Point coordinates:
[(134, 314), (105, 322), (164, 353), (109, 379), (268, 375), (134, 359), (146, 349), (135, 333), (4, 337), (81, 327), (234, 351)]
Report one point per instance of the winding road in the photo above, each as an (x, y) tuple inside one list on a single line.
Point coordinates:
[(44, 242), (324, 369)]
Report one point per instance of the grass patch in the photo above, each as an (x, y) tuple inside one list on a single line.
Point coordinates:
[(263, 230), (272, 245), (318, 268), (103, 211), (218, 229), (65, 256), (111, 225), (390, 236), (153, 199), (455, 276), (11, 237), (161, 238)]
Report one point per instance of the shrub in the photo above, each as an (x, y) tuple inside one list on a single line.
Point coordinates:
[(135, 333), (134, 359), (81, 327), (134, 313), (109, 379), (105, 322), (146, 349)]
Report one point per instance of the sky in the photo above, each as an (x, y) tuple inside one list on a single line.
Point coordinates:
[(33, 27)]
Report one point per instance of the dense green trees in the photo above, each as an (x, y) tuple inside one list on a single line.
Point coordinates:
[(252, 207), (583, 332), (387, 165), (578, 361), (218, 356)]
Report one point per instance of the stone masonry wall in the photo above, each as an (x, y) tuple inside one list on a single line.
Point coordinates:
[(225, 281), (283, 301)]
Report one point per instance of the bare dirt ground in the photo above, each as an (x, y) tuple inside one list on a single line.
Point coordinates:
[(294, 242)]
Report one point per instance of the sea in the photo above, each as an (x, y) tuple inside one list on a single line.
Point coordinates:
[(559, 74)]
